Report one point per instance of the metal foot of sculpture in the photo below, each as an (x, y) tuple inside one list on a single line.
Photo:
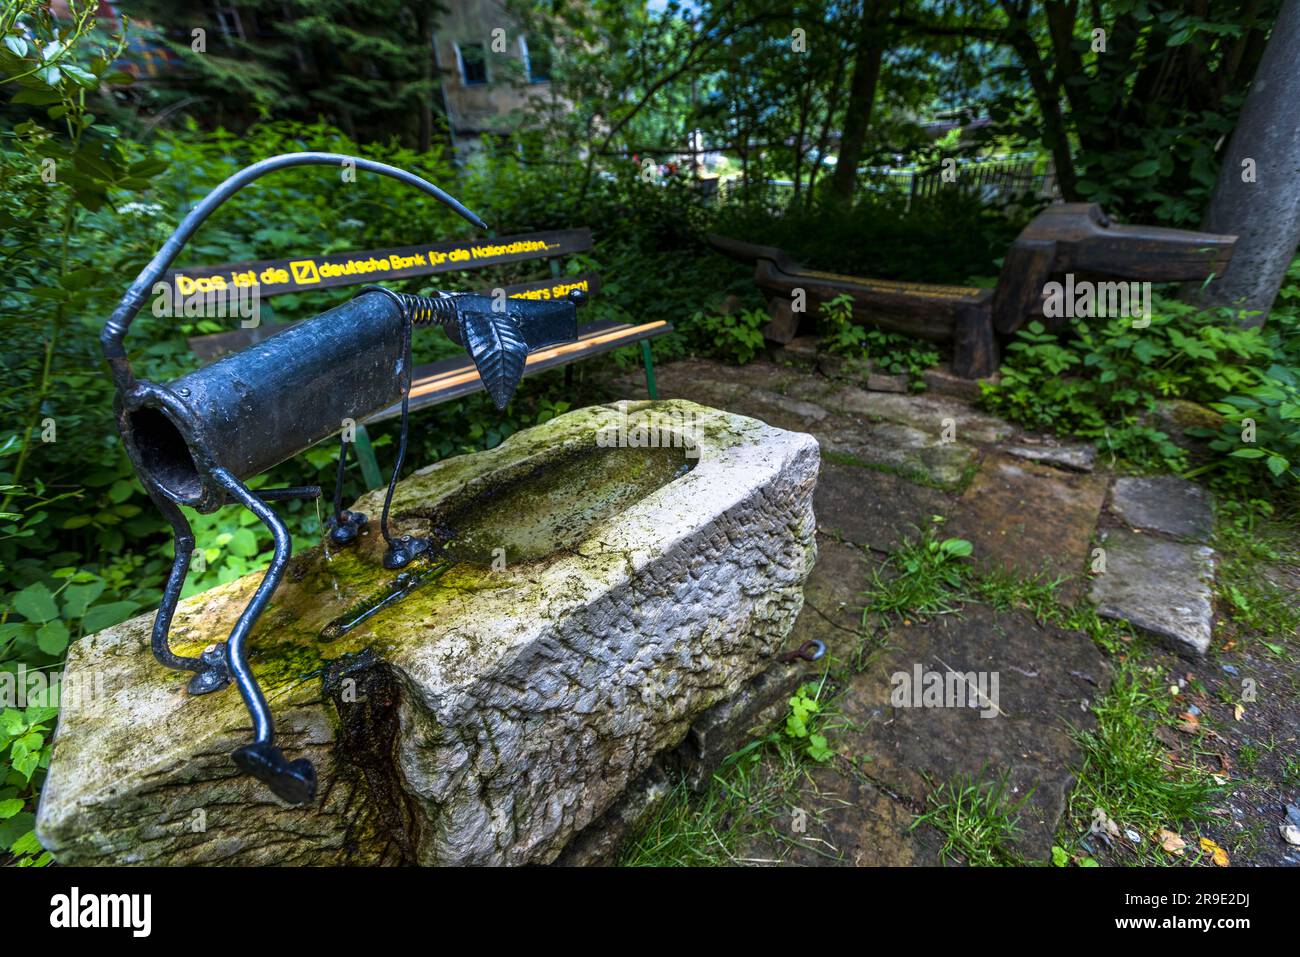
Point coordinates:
[(210, 671), (294, 781), (196, 440), (343, 527)]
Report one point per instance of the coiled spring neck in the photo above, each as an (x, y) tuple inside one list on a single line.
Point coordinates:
[(422, 310)]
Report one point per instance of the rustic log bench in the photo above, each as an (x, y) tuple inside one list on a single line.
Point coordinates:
[(435, 382), (1065, 238)]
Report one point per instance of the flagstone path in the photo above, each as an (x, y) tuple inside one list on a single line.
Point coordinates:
[(1030, 504)]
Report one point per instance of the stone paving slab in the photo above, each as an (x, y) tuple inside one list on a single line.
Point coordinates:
[(873, 509), (832, 599), (1030, 518), (926, 413), (1160, 586), (896, 433), (1079, 457), (1046, 680), (845, 821), (901, 449), (1164, 503)]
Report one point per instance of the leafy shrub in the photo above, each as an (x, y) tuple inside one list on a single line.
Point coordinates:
[(1104, 380), (886, 351), (802, 723), (840, 334), (24, 755), (732, 337), (1266, 416)]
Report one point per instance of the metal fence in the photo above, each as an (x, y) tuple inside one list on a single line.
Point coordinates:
[(993, 181)]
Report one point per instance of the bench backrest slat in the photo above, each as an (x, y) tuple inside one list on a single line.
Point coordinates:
[(275, 277), (212, 346)]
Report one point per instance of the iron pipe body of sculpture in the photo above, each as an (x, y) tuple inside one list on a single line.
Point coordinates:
[(197, 440)]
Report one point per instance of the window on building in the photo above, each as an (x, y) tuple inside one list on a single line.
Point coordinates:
[(228, 22), (473, 63), (537, 59)]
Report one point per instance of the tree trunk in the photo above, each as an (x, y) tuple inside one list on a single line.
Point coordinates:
[(823, 139), (1055, 135), (805, 102), (1264, 214), (862, 96), (424, 27)]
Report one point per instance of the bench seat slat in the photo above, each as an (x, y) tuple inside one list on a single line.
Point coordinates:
[(452, 378)]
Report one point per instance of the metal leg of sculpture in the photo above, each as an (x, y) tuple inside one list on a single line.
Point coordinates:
[(294, 781), (401, 551), (343, 526), (210, 670)]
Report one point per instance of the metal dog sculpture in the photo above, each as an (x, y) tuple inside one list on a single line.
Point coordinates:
[(196, 441)]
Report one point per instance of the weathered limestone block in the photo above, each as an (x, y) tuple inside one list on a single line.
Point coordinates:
[(594, 596)]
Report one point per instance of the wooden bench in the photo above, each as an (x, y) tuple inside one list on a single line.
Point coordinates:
[(1068, 237), (447, 379)]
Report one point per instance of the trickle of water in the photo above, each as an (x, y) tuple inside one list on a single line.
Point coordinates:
[(401, 586)]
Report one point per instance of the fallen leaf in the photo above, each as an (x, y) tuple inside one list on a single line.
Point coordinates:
[(1103, 825), (1219, 855), (1171, 842), (1238, 712), (1190, 723)]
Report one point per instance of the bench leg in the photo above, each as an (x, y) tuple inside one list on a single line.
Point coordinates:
[(366, 456), (648, 358), (975, 347)]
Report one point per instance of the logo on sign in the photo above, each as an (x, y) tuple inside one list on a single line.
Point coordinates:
[(304, 272)]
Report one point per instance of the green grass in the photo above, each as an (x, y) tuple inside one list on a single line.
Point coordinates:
[(1125, 771), (923, 577), (1251, 536), (751, 799), (978, 819), (689, 830), (1291, 771)]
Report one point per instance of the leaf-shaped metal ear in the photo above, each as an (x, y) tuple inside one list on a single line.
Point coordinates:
[(497, 347)]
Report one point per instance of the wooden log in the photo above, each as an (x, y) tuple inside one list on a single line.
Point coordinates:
[(784, 324)]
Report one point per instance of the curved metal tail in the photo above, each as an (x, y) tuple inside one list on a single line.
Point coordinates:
[(120, 321)]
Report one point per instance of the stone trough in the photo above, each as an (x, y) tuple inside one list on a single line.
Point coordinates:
[(606, 578)]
